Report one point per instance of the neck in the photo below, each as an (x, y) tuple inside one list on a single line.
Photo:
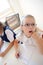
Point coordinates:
[(27, 36)]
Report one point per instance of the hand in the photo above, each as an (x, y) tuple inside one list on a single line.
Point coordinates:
[(2, 54), (39, 29), (35, 35)]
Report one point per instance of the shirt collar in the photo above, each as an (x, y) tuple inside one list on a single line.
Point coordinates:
[(26, 36)]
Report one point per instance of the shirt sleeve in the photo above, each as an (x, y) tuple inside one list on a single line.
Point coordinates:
[(10, 35)]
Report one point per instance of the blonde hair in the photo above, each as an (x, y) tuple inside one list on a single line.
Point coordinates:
[(22, 22)]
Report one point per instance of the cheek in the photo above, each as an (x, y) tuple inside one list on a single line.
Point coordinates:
[(24, 30)]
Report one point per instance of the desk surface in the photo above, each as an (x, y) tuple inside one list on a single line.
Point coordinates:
[(10, 58)]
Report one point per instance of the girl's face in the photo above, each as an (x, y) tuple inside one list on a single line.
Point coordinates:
[(29, 26)]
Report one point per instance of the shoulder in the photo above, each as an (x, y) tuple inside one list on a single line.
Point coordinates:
[(8, 30)]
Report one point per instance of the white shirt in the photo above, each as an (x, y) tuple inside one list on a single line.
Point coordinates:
[(29, 51), (3, 48), (10, 35)]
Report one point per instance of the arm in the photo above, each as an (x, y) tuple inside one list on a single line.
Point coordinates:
[(39, 41), (10, 37), (8, 48), (16, 46)]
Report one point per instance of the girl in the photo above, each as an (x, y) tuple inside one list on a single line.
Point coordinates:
[(30, 47), (6, 36)]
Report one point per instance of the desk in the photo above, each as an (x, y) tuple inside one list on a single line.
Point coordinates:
[(10, 58)]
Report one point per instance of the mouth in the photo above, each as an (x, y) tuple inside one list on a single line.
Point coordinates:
[(30, 32)]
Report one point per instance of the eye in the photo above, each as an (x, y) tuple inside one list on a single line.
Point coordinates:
[(33, 24), (27, 24)]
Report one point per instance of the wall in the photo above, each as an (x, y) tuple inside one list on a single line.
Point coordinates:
[(34, 7)]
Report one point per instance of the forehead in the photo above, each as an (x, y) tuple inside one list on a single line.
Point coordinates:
[(29, 20)]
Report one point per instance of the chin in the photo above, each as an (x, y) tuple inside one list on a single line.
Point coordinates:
[(29, 35)]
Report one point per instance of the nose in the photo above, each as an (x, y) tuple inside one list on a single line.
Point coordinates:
[(30, 26)]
